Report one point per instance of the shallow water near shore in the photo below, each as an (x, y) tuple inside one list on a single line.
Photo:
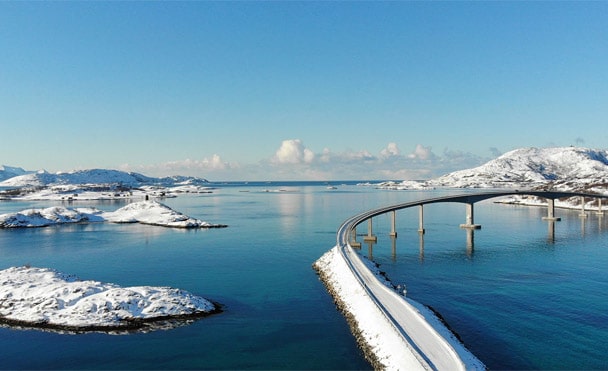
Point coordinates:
[(517, 298)]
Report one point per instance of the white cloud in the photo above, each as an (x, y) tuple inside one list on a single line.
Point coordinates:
[(190, 167), (293, 151), (213, 163), (422, 153), (293, 161), (391, 150)]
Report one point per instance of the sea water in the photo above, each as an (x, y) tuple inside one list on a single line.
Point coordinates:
[(518, 295)]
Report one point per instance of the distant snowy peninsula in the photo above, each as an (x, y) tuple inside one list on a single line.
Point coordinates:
[(43, 298), (560, 168), (144, 212)]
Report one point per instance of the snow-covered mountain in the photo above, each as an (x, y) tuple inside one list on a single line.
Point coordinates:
[(7, 172), (96, 176), (564, 168)]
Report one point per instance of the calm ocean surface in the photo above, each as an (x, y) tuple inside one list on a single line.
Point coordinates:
[(518, 297)]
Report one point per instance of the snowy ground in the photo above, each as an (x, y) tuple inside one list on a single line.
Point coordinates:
[(404, 185), (44, 298), (144, 212), (571, 203)]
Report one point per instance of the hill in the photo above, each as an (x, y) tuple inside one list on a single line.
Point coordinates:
[(7, 172), (563, 168), (96, 176)]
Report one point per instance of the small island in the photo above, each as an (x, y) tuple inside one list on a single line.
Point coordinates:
[(144, 212), (46, 299)]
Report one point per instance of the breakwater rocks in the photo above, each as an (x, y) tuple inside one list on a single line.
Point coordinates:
[(326, 277)]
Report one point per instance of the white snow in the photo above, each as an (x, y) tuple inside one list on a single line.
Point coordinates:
[(563, 168), (41, 297), (144, 212), (93, 184), (390, 350), (153, 212), (405, 185)]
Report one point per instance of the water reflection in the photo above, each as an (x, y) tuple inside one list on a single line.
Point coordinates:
[(470, 241), (551, 232), (370, 249), (421, 246), (127, 328)]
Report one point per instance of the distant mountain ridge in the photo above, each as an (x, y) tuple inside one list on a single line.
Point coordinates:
[(564, 168), (7, 172), (96, 176)]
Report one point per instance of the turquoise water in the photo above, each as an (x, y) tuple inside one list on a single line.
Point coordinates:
[(519, 296), (518, 299)]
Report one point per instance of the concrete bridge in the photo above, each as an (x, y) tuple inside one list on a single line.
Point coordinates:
[(432, 349), (469, 200)]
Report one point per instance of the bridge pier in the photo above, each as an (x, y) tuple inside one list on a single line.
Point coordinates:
[(353, 239), (599, 207), (470, 222), (370, 235), (393, 222), (551, 211), (421, 219)]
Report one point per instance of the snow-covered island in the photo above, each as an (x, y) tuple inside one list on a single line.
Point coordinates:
[(144, 212), (43, 298), (418, 185)]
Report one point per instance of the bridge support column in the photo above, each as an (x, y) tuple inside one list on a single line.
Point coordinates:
[(599, 207), (551, 211), (353, 239), (393, 222), (421, 219), (583, 214), (370, 235), (470, 218)]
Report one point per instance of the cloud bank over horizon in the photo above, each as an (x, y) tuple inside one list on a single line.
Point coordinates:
[(293, 160)]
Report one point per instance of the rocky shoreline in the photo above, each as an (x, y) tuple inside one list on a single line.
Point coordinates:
[(365, 347)]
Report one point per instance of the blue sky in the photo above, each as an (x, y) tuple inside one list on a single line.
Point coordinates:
[(297, 90)]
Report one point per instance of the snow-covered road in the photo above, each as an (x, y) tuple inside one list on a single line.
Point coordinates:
[(398, 331)]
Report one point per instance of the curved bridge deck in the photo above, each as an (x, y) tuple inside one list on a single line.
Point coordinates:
[(433, 350)]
